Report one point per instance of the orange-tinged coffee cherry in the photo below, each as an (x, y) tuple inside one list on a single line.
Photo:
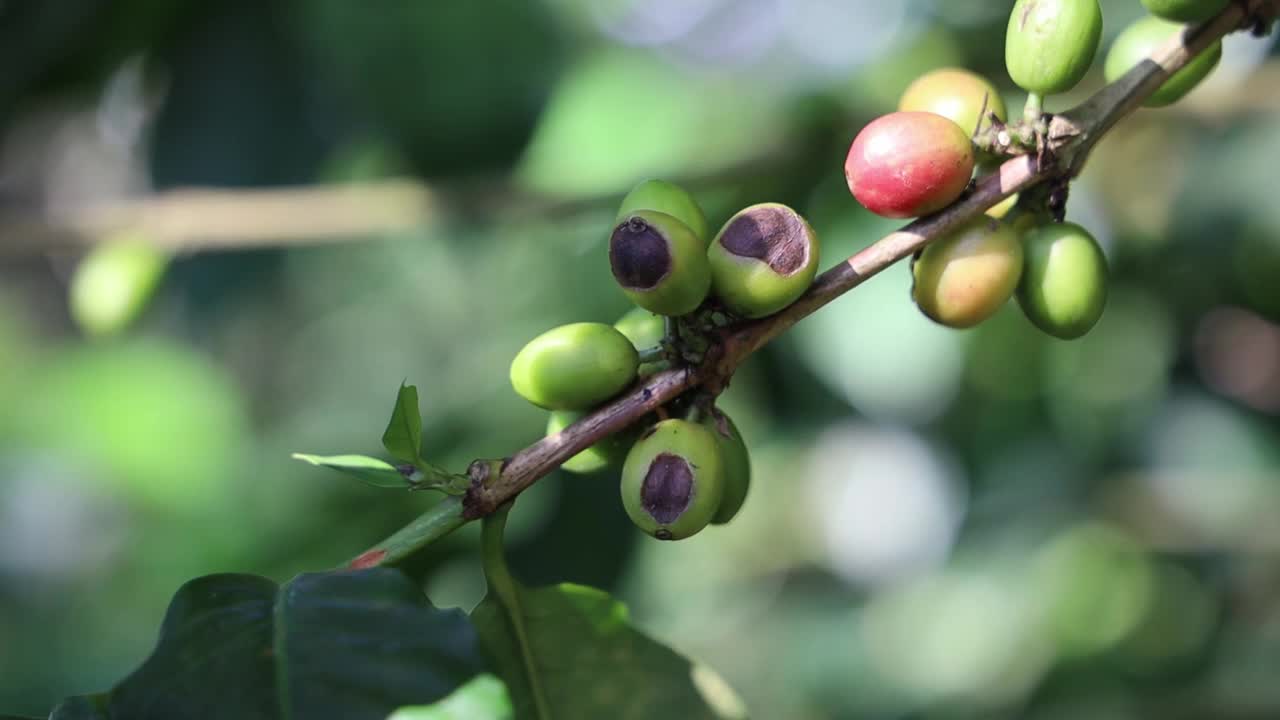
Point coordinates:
[(963, 97), (965, 277)]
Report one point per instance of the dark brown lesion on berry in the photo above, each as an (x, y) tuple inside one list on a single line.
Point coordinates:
[(773, 234), (638, 254), (667, 489)]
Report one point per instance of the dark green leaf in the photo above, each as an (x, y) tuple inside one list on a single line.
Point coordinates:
[(483, 698), (81, 707), (373, 471), (348, 645), (568, 652), (358, 640), (403, 437)]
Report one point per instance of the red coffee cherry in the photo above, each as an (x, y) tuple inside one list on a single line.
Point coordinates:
[(907, 164)]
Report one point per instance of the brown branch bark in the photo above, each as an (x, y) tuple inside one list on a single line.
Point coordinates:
[(1073, 135)]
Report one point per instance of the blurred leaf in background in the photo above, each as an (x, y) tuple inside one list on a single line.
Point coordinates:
[(943, 524)]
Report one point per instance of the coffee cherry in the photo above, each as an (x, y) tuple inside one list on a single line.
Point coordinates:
[(574, 367), (962, 97), (673, 479), (964, 278), (1185, 11), (906, 164), (112, 284), (645, 330), (1137, 41), (763, 259), (609, 451), (1051, 43), (659, 262), (670, 199), (737, 465), (1064, 280)]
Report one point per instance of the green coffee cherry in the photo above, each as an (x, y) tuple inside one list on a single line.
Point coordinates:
[(763, 259), (1051, 43), (112, 284), (574, 367), (965, 277), (1139, 40), (609, 451), (1064, 280), (1185, 11), (670, 199), (659, 262), (645, 330), (673, 480), (737, 465), (963, 97)]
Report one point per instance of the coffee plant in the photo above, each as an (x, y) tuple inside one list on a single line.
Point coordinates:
[(640, 396)]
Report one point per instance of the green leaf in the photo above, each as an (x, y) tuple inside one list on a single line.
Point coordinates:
[(484, 698), (355, 645), (373, 471), (403, 437), (568, 652), (81, 707)]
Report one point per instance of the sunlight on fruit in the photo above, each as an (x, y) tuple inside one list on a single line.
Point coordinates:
[(887, 505)]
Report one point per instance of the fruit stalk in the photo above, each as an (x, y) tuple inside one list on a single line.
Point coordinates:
[(1073, 134)]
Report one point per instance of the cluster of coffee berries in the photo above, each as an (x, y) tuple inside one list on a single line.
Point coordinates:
[(922, 158), (690, 467)]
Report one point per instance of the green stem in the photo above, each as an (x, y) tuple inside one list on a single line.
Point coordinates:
[(653, 354), (504, 586), (1034, 109), (697, 411), (443, 518)]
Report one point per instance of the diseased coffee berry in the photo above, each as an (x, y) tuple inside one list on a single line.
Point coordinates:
[(1063, 289), (763, 259), (963, 97), (673, 479), (659, 262), (966, 276), (645, 330), (1185, 11), (574, 367), (737, 465), (1051, 43), (1144, 36), (667, 198), (906, 164), (609, 451)]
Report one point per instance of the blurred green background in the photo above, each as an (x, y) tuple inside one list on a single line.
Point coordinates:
[(986, 523)]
